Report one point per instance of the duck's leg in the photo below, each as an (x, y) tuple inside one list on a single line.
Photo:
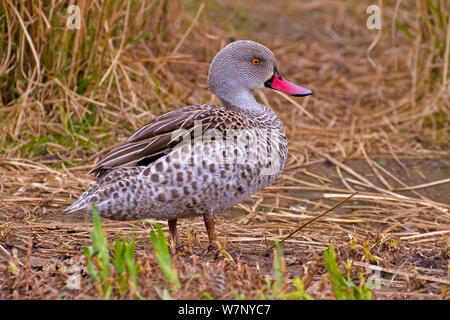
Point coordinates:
[(174, 233), (209, 224)]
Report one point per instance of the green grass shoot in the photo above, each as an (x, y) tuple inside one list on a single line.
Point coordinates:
[(97, 255), (99, 262), (278, 269), (344, 289), (277, 288), (162, 254), (126, 266)]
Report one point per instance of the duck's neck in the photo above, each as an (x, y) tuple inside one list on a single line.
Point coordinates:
[(242, 101)]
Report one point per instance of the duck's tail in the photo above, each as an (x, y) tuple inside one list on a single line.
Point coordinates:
[(78, 205)]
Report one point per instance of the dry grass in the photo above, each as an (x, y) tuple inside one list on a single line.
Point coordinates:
[(377, 124)]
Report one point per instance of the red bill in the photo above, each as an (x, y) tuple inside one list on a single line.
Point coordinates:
[(280, 84)]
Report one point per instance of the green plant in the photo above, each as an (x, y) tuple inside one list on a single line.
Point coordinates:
[(126, 266), (99, 262), (162, 255), (276, 289), (429, 24), (344, 289), (97, 255), (299, 293), (278, 270)]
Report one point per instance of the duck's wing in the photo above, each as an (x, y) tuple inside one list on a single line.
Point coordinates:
[(158, 137)]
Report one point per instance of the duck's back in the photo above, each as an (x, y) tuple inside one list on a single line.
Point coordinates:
[(187, 162)]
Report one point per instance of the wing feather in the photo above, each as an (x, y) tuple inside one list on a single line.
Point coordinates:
[(157, 137)]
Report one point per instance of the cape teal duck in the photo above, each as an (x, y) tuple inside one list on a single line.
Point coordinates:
[(199, 160)]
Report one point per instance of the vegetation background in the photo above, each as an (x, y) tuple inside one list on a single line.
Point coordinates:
[(378, 123)]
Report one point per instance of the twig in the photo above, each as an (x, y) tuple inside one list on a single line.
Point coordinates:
[(424, 202), (423, 235), (156, 59), (184, 36), (312, 220), (395, 178), (374, 169), (340, 164), (424, 185), (376, 188), (402, 273), (391, 198), (295, 103)]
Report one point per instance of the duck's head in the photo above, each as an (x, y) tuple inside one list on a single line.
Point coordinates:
[(245, 65)]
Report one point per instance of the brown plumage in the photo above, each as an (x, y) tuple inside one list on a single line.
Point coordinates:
[(159, 137)]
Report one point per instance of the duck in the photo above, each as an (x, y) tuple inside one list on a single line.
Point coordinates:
[(199, 160)]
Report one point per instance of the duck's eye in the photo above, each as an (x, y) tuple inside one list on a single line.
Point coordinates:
[(256, 61)]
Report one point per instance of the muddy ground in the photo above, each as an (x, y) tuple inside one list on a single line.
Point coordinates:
[(42, 247)]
